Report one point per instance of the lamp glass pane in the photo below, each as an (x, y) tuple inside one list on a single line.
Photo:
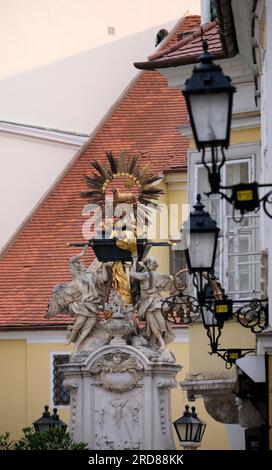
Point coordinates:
[(210, 113), (43, 427), (201, 249), (200, 432), (209, 318), (195, 433), (183, 431)]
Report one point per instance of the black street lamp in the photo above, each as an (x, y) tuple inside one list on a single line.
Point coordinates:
[(190, 429), (217, 302), (215, 308), (200, 238), (200, 235), (212, 324), (47, 421), (209, 95)]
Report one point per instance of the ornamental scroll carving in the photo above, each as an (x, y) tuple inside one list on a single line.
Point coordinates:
[(73, 385), (118, 371)]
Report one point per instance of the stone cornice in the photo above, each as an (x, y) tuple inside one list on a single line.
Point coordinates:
[(208, 386), (239, 71), (218, 398), (53, 135)]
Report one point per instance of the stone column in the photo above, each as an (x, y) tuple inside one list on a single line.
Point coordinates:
[(121, 400)]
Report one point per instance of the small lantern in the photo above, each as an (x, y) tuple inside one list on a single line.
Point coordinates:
[(190, 429), (211, 322), (232, 355), (47, 421), (223, 309), (200, 238), (245, 197), (209, 96)]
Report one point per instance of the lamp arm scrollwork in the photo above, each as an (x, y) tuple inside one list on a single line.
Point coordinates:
[(253, 314), (214, 168)]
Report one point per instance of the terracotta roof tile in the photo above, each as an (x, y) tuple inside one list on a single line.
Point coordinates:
[(192, 42), (144, 121), (181, 30), (186, 50)]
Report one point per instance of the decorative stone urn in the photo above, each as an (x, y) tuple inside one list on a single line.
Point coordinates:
[(120, 324), (118, 328)]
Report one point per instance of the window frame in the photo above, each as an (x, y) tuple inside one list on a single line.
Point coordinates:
[(249, 152), (172, 251), (51, 362)]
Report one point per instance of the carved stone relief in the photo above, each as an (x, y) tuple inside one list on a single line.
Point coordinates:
[(123, 420), (118, 371)]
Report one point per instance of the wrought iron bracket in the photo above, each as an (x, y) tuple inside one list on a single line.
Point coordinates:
[(253, 314), (230, 356), (181, 309), (244, 197)]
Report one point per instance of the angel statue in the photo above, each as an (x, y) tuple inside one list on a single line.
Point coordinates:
[(158, 331), (82, 298)]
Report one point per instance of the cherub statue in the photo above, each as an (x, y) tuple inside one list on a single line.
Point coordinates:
[(82, 298), (149, 304)]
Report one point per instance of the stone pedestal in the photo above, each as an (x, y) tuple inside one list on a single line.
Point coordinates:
[(121, 400)]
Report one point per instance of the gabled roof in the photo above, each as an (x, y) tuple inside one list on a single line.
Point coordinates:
[(186, 50), (144, 121), (186, 25)]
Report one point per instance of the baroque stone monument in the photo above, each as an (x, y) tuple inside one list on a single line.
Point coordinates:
[(121, 400), (121, 372)]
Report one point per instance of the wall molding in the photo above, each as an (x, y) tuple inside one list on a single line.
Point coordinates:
[(73, 139), (59, 336), (45, 336)]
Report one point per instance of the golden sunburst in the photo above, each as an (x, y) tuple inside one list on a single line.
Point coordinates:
[(126, 172)]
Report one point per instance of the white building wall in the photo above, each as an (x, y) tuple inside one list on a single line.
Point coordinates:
[(60, 68), (268, 100), (38, 32), (30, 167)]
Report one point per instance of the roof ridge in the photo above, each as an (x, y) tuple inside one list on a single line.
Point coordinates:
[(196, 33)]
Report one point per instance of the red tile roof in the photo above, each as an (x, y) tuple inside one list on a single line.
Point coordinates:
[(144, 121), (187, 49), (184, 26)]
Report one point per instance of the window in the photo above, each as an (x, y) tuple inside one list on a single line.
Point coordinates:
[(61, 394), (177, 260), (213, 9), (238, 256), (111, 30)]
